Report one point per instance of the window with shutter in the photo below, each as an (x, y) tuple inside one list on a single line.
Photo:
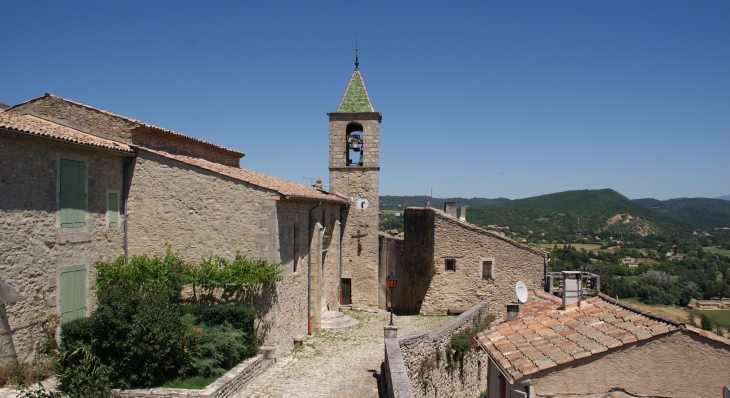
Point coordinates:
[(487, 270), (73, 292), (73, 194), (113, 209)]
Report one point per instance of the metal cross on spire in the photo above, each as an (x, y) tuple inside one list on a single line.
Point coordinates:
[(357, 63)]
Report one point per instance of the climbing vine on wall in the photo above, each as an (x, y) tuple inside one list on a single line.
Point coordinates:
[(464, 341)]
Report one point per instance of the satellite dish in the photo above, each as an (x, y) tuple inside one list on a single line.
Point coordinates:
[(521, 291)]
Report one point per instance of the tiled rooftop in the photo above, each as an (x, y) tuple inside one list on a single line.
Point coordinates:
[(544, 336), (157, 129), (281, 186), (43, 128), (356, 97)]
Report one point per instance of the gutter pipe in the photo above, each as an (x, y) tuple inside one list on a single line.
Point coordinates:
[(309, 271)]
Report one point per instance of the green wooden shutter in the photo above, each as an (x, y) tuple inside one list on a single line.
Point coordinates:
[(73, 292), (73, 194), (113, 209)]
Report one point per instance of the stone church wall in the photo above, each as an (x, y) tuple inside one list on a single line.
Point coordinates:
[(33, 247), (119, 128), (360, 241), (79, 117)]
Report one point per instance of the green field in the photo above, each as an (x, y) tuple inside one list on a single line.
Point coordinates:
[(588, 246), (681, 314), (720, 317), (717, 250)]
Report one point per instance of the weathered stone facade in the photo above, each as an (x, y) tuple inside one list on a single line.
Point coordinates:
[(391, 260), (360, 237), (33, 246), (680, 364), (432, 237), (423, 355), (123, 129), (174, 197)]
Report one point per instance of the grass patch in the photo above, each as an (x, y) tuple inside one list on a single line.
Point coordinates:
[(588, 246), (720, 317), (191, 383), (675, 312), (717, 250)]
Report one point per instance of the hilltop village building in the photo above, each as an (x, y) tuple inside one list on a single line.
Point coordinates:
[(80, 185), (600, 346)]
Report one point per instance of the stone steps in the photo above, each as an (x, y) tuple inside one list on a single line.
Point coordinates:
[(337, 320)]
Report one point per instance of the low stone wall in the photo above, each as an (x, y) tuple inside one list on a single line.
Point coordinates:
[(226, 386), (421, 359)]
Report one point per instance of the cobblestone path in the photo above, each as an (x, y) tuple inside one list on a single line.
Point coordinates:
[(337, 363)]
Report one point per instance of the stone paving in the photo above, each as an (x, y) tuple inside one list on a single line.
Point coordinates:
[(337, 363)]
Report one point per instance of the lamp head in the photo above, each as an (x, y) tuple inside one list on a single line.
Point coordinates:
[(391, 280)]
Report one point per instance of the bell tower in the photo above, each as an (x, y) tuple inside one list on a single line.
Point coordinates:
[(354, 172)]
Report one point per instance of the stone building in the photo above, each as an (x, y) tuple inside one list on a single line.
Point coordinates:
[(450, 264), (136, 188), (60, 198), (598, 347), (354, 170)]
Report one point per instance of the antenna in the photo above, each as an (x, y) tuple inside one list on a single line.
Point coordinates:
[(311, 180), (357, 63), (521, 291)]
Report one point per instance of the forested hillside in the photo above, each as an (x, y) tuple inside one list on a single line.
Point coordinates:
[(701, 213), (573, 216), (401, 202)]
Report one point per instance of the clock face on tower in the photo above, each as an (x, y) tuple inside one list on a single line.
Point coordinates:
[(362, 203)]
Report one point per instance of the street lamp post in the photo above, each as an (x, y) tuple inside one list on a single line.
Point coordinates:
[(392, 281)]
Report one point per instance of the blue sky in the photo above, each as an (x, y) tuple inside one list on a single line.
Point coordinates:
[(479, 99)]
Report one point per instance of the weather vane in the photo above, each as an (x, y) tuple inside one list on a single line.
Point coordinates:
[(357, 63)]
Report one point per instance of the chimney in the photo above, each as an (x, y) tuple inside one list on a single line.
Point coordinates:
[(450, 208), (512, 310), (571, 288), (462, 213), (318, 185)]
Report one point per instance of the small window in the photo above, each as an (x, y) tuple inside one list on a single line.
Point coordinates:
[(112, 210), (487, 269), (73, 194), (73, 292), (450, 264)]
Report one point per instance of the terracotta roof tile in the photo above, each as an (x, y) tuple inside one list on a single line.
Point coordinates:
[(544, 336), (160, 130), (29, 124), (281, 186)]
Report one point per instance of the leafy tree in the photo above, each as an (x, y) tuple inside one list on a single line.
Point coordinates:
[(706, 322)]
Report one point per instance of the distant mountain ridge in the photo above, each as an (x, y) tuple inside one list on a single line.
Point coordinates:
[(726, 197), (584, 214), (702, 213), (401, 202)]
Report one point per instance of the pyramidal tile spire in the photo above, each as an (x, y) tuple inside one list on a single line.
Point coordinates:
[(356, 97)]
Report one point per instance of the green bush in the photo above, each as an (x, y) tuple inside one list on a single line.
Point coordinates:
[(221, 347), (143, 271), (80, 330), (706, 322), (81, 374), (139, 335), (239, 317)]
